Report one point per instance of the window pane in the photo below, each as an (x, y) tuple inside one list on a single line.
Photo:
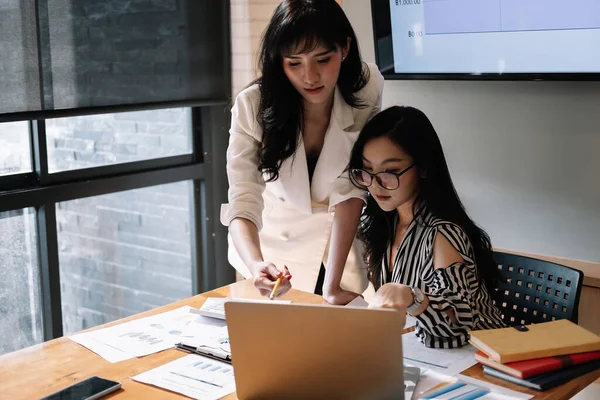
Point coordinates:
[(20, 299), (123, 253), (15, 153), (96, 140)]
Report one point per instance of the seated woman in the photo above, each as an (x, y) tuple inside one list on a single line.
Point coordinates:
[(425, 255)]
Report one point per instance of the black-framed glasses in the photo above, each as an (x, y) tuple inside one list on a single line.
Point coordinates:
[(387, 180)]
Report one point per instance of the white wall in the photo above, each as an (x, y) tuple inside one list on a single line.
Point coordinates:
[(523, 155), (248, 20)]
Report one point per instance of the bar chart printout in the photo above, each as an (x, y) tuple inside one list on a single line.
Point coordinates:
[(193, 376)]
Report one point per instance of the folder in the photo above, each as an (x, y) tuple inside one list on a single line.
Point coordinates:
[(546, 381), (547, 339)]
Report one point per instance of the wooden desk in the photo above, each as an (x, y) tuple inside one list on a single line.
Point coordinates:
[(40, 370)]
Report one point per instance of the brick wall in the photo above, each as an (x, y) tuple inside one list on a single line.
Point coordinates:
[(89, 141), (123, 253), (118, 51), (126, 252)]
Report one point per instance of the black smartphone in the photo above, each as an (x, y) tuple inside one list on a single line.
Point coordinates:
[(90, 389)]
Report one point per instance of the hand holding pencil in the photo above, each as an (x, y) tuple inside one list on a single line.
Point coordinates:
[(270, 281), (282, 276)]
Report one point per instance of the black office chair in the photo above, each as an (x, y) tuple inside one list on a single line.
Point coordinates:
[(533, 291)]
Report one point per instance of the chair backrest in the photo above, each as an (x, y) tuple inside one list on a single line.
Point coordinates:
[(534, 291)]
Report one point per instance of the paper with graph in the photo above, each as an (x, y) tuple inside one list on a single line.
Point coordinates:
[(445, 361), (140, 337), (105, 351), (210, 333), (193, 376)]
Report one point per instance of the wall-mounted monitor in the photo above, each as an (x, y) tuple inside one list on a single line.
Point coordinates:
[(487, 39)]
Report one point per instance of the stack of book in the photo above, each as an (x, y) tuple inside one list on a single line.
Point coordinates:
[(539, 356)]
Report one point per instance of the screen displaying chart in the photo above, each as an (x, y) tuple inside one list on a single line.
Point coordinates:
[(476, 16), (488, 36)]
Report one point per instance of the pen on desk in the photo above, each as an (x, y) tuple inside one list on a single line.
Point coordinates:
[(206, 352), (277, 283)]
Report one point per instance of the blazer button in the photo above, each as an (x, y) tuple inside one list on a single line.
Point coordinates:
[(284, 236), (282, 199)]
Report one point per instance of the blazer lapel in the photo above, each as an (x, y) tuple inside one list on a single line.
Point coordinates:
[(293, 176), (333, 160), (337, 146)]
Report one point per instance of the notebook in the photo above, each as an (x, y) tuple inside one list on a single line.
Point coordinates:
[(529, 368), (549, 380), (547, 339)]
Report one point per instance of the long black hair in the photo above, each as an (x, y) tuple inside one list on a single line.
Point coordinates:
[(410, 129), (295, 24)]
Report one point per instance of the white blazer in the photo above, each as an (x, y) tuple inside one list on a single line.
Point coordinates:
[(294, 218)]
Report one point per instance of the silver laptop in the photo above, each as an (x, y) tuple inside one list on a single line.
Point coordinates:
[(315, 352)]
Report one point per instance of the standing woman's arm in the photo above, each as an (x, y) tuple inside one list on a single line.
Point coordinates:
[(348, 202), (243, 214), (345, 224)]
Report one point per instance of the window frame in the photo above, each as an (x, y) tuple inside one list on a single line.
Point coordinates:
[(204, 166)]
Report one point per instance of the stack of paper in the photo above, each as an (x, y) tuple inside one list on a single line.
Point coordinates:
[(445, 361), (142, 336), (214, 307)]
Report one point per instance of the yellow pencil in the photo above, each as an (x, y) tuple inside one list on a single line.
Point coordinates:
[(277, 283)]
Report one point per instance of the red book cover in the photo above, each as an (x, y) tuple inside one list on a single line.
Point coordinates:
[(529, 368)]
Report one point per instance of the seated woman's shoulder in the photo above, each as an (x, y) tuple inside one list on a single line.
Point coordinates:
[(450, 235), (444, 225)]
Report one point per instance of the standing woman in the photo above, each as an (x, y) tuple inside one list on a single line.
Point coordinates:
[(292, 209)]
